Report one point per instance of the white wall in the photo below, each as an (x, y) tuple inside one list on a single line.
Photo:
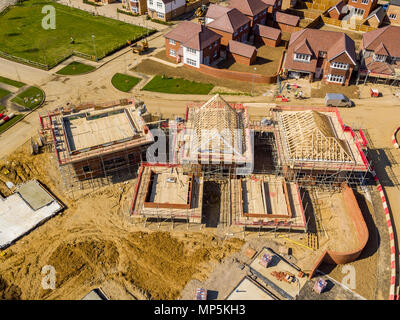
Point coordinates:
[(198, 56), (165, 8)]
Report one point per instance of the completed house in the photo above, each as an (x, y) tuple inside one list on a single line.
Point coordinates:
[(319, 54), (361, 8), (231, 24), (165, 9), (193, 44), (380, 53), (135, 6), (377, 17), (338, 11), (393, 12), (255, 10)]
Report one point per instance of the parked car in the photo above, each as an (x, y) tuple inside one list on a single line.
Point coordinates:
[(337, 100)]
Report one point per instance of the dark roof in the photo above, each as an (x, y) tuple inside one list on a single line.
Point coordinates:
[(314, 41), (379, 12), (267, 32), (249, 7), (288, 19), (241, 48), (339, 7), (230, 22), (193, 35), (389, 36), (394, 2)]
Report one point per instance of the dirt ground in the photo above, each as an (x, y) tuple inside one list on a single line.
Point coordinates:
[(153, 68), (352, 92), (101, 247), (267, 62)]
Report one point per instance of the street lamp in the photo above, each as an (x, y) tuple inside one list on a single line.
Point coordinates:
[(252, 85), (94, 47)]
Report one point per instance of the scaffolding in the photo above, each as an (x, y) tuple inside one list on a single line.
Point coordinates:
[(96, 167)]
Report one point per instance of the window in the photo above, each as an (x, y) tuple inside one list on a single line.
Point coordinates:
[(191, 62), (364, 1), (354, 0), (86, 169), (339, 65), (235, 34), (302, 57), (190, 50), (134, 9), (160, 15), (215, 44), (172, 42), (245, 27), (172, 53), (335, 78), (150, 2), (392, 16), (159, 5), (379, 57), (215, 54), (322, 54)]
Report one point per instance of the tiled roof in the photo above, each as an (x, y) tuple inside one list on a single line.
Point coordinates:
[(241, 48), (229, 22), (214, 11), (389, 36), (266, 32), (249, 7), (193, 35), (288, 19)]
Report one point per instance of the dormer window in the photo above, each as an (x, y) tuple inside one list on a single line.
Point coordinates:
[(379, 57), (302, 57)]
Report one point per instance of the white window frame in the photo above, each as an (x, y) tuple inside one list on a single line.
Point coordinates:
[(150, 2), (302, 57), (160, 15), (191, 62), (365, 1), (380, 57), (339, 65), (172, 53), (171, 41), (159, 5), (392, 16), (192, 51), (336, 78)]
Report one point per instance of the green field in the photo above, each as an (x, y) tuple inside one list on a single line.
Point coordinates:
[(3, 92), (22, 35), (10, 82), (124, 82), (75, 68), (30, 98), (177, 85), (10, 122)]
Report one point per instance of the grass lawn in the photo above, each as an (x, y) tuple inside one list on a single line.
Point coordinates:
[(13, 83), (124, 82), (177, 85), (10, 122), (2, 108), (22, 35), (30, 98), (3, 92), (75, 68)]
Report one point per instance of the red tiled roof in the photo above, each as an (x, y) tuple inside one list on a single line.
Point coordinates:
[(389, 36), (229, 22), (288, 19), (249, 7), (377, 67), (331, 42), (270, 2), (381, 49), (214, 11), (193, 35), (267, 32), (241, 48)]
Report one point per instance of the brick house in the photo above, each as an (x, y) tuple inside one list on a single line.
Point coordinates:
[(273, 6), (255, 10), (231, 25), (361, 8), (286, 22), (338, 11), (193, 44), (135, 6), (380, 52), (318, 54), (242, 53), (377, 17), (267, 35), (165, 10), (393, 12)]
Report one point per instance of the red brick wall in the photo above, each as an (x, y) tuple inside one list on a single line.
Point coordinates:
[(268, 42), (347, 73), (243, 60), (334, 14), (171, 46), (229, 36), (285, 27), (367, 7)]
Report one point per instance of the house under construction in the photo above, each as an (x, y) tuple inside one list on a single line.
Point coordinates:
[(97, 140)]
